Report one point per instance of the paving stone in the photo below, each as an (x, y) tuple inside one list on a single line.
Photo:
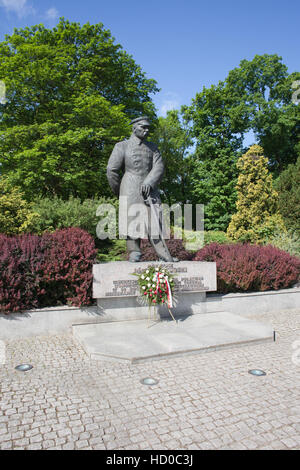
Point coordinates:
[(34, 446), (48, 443), (205, 401), (6, 445)]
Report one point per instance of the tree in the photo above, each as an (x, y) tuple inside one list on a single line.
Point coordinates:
[(260, 99), (257, 214), (213, 184), (173, 139), (71, 92), (256, 96), (213, 164), (288, 187)]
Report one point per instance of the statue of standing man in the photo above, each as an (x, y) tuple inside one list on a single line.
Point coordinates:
[(142, 168)]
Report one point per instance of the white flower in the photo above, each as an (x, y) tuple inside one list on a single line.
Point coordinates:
[(156, 269), (144, 287), (147, 272), (153, 285), (143, 277), (147, 278), (149, 285)]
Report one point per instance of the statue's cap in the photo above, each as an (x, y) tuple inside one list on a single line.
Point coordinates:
[(140, 118)]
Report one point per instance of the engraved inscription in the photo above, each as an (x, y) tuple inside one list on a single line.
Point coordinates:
[(189, 284), (127, 287), (168, 266)]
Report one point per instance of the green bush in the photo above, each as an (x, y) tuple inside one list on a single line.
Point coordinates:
[(216, 236), (112, 250), (287, 241), (192, 237), (288, 187), (56, 213)]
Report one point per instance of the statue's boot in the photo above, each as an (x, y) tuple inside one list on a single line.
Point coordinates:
[(134, 250), (135, 256)]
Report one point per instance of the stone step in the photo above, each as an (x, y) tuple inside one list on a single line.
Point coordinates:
[(143, 340)]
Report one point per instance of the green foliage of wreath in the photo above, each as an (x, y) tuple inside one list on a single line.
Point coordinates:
[(154, 283)]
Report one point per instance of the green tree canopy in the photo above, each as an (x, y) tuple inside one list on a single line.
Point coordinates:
[(260, 99), (71, 92), (172, 136), (213, 164), (257, 97)]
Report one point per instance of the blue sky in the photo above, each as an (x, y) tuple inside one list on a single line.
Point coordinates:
[(183, 45)]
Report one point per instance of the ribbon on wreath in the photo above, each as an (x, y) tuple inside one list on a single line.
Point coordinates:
[(168, 288), (169, 294)]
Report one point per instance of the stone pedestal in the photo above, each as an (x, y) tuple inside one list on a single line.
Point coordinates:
[(123, 330), (117, 292)]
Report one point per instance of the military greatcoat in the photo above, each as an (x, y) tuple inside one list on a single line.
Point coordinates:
[(141, 164)]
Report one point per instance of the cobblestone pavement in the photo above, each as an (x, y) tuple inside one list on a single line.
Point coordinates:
[(205, 401)]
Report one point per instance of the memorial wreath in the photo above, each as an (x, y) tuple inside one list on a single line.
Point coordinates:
[(156, 287)]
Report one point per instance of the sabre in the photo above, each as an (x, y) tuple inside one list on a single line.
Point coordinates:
[(153, 211)]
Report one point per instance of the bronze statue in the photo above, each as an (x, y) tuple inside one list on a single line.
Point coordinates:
[(143, 168)]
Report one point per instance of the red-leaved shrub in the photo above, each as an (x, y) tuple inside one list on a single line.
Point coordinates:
[(242, 268), (53, 269), (21, 271)]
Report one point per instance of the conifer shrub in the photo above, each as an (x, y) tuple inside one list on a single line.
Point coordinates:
[(257, 216), (16, 214), (48, 270), (246, 268)]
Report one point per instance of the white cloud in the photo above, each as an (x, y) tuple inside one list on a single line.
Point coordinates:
[(167, 105), (52, 14), (169, 101), (20, 7)]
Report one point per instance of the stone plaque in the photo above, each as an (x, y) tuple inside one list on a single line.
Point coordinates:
[(117, 279)]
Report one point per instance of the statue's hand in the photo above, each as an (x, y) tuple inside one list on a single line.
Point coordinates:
[(145, 189)]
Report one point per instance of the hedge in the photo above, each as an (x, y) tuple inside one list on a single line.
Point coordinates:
[(246, 268), (48, 270)]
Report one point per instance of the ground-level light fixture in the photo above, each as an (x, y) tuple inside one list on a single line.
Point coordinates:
[(149, 381), (24, 367), (257, 372)]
